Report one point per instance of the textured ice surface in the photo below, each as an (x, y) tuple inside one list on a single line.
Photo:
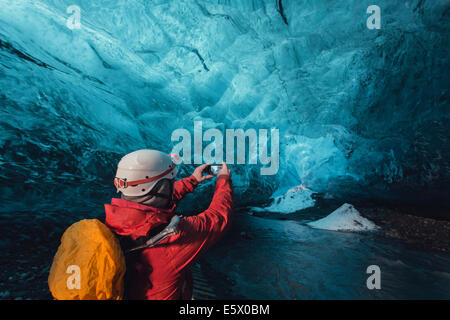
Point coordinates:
[(360, 111), (344, 218)]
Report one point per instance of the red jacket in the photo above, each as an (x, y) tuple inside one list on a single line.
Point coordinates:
[(162, 272)]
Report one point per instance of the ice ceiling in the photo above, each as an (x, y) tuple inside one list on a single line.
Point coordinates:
[(361, 113)]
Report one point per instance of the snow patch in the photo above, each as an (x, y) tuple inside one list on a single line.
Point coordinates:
[(293, 200), (344, 218)]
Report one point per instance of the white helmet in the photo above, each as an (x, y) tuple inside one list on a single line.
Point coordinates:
[(139, 171)]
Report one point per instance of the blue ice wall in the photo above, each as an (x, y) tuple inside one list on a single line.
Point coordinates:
[(361, 113)]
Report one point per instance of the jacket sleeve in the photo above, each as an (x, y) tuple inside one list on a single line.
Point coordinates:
[(199, 232), (183, 186)]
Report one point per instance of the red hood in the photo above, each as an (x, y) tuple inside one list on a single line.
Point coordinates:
[(127, 218)]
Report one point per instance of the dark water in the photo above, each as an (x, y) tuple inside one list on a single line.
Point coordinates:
[(287, 260)]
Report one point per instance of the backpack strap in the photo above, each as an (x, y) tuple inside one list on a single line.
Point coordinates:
[(170, 230)]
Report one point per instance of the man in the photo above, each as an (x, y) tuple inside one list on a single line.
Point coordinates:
[(146, 179)]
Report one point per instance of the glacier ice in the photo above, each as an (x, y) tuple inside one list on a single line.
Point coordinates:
[(360, 112), (292, 200), (344, 218)]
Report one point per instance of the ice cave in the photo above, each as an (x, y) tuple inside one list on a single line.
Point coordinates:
[(362, 117)]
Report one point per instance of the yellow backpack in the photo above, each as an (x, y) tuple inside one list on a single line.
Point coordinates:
[(89, 264)]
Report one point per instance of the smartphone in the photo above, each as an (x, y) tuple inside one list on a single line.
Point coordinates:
[(214, 169)]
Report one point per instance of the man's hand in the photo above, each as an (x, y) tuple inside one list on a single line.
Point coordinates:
[(224, 170), (198, 173)]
